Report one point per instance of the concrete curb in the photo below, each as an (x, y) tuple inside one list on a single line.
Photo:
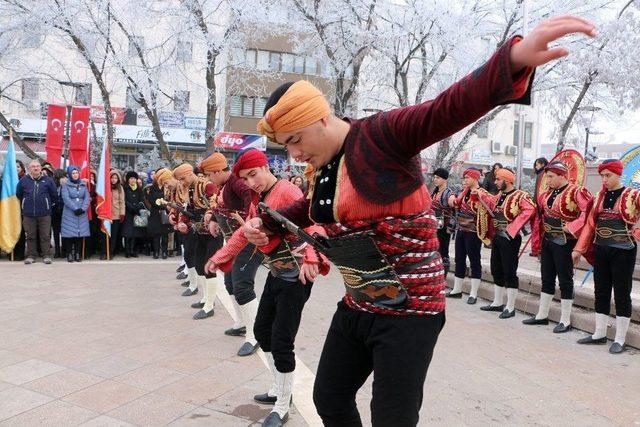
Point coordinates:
[(582, 316)]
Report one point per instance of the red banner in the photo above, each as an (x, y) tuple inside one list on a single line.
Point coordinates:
[(79, 137), (98, 114), (56, 118)]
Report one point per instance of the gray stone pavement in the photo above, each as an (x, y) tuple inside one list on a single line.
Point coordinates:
[(113, 344)]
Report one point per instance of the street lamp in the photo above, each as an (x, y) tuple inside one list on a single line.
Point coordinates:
[(587, 129)]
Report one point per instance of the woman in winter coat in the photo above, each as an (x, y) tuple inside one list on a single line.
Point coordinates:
[(134, 203), (156, 229), (75, 220), (117, 214)]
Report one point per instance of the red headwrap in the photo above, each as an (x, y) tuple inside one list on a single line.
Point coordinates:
[(250, 159), (472, 173), (614, 166), (558, 168)]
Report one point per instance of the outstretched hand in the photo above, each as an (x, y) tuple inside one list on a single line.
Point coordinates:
[(533, 49)]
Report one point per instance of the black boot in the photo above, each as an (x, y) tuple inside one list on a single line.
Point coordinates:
[(164, 255), (156, 255), (76, 256), (70, 256)]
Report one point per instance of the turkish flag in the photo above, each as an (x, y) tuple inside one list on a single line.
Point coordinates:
[(56, 118), (79, 137)]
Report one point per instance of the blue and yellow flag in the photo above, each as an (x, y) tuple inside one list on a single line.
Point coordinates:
[(10, 221)]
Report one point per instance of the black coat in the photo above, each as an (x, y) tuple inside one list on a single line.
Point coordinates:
[(153, 193), (134, 202)]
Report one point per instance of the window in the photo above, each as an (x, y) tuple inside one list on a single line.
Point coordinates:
[(184, 51), (181, 100), (298, 64), (82, 94), (260, 103), (274, 61), (235, 107), (528, 133), (263, 60), (135, 40), (312, 66), (250, 58), (516, 132), (483, 130), (30, 89), (247, 106), (287, 62), (132, 100)]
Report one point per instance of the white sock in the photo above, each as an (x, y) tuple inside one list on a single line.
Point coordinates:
[(601, 326), (457, 285), (475, 285), (622, 325), (511, 299), (249, 311), (498, 292), (238, 321), (201, 284), (273, 390), (565, 316), (193, 284), (211, 290), (545, 302), (284, 382)]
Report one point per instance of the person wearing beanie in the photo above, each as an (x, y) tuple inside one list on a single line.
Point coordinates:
[(286, 289), (444, 213), (505, 214), (201, 244), (609, 242), (562, 211), (233, 204), (75, 220), (134, 204), (385, 209), (467, 243)]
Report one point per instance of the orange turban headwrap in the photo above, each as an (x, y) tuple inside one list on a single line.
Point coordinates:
[(506, 175), (183, 169), (213, 163), (163, 175), (301, 105)]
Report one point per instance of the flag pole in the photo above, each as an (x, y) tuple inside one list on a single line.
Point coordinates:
[(108, 257)]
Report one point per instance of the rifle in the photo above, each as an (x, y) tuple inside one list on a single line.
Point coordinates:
[(177, 207), (317, 241)]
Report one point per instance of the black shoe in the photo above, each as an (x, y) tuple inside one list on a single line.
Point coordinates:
[(181, 268), (182, 276), (248, 349), (156, 256), (70, 258), (185, 284), (561, 327), (457, 295), (240, 332), (77, 257), (188, 292), (197, 305), (134, 254), (274, 420), (471, 300), (534, 321), (617, 348), (127, 255), (265, 399), (164, 255), (590, 340), (507, 314), (492, 308), (103, 257), (202, 314)]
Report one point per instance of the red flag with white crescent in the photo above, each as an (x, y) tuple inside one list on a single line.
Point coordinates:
[(79, 137), (56, 118)]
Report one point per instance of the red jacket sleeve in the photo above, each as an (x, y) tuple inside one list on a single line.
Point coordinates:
[(419, 126)]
